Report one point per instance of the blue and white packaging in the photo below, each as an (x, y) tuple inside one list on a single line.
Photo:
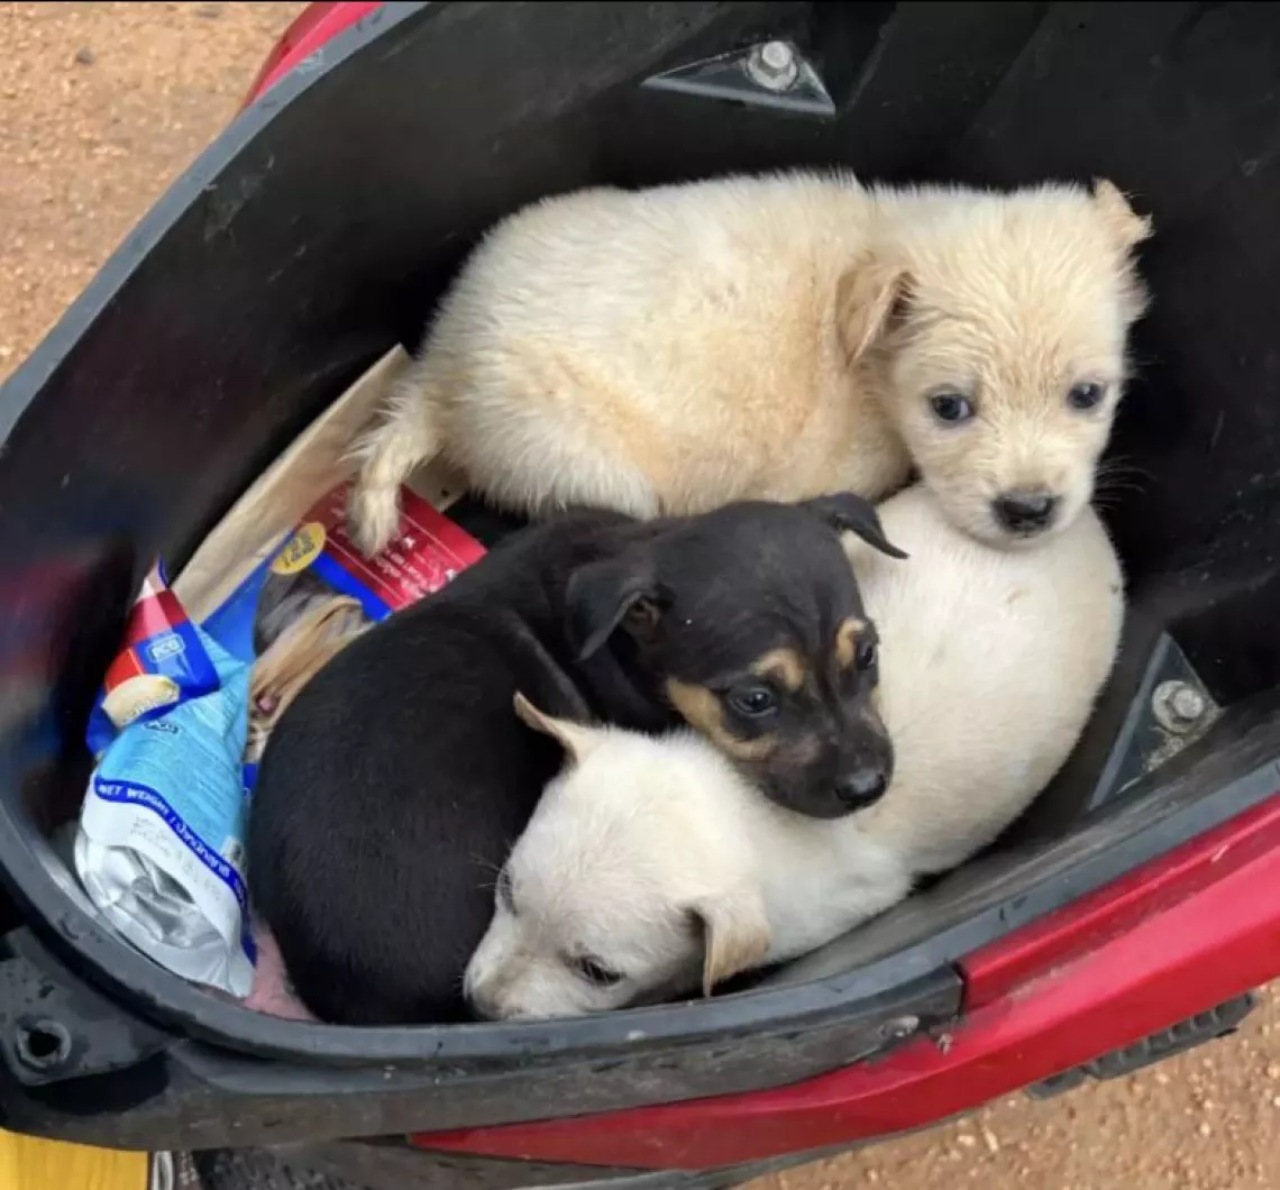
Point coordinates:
[(160, 849)]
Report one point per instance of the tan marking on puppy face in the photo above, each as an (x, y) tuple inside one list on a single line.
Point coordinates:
[(785, 666), (871, 712), (847, 640), (701, 709), (802, 753), (1015, 301)]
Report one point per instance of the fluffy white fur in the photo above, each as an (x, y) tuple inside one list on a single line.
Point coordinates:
[(672, 349), (652, 860)]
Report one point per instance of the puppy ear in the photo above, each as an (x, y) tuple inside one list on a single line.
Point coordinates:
[(869, 297), (1126, 227), (736, 935), (847, 513), (603, 595), (574, 738)]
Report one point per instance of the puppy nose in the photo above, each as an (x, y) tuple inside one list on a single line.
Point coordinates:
[(1025, 511), (861, 788)]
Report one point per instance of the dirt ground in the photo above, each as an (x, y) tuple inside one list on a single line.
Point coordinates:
[(101, 107)]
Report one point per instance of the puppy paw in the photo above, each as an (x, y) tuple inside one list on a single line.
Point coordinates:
[(373, 516)]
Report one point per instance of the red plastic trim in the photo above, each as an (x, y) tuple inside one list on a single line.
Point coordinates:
[(1184, 933), (314, 26), (998, 970)]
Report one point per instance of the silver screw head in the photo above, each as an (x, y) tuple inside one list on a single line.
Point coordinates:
[(774, 65), (1178, 706), (1187, 703)]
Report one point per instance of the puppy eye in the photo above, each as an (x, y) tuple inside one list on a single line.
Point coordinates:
[(595, 972), (753, 703), (1085, 396), (951, 408), (867, 654)]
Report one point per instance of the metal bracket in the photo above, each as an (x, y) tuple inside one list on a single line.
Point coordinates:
[(771, 74), (1171, 709)]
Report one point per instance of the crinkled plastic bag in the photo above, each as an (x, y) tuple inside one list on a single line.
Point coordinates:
[(160, 847)]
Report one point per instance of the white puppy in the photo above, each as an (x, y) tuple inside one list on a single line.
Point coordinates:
[(650, 866), (672, 349)]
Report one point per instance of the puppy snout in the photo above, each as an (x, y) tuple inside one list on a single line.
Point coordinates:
[(479, 994), (862, 787), (491, 1000), (1026, 511), (485, 984), (502, 1011)]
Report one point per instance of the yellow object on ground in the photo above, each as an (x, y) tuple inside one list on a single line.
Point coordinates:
[(27, 1163)]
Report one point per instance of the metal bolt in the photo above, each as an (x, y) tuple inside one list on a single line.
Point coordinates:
[(1178, 706), (899, 1027), (774, 66), (1187, 703)]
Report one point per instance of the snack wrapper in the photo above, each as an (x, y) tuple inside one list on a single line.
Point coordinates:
[(164, 661), (319, 591)]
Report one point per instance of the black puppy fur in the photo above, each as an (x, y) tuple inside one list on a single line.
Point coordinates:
[(393, 787)]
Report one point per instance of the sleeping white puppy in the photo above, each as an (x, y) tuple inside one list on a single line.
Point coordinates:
[(651, 867)]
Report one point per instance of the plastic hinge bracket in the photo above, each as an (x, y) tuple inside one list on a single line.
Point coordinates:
[(1177, 1039)]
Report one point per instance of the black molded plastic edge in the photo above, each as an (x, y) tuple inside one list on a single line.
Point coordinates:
[(374, 1166), (1198, 794), (1205, 787), (364, 1165), (193, 1096), (378, 1166)]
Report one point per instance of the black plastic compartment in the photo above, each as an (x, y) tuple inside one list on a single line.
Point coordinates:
[(319, 229)]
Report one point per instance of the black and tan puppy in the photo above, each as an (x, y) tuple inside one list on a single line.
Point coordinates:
[(393, 787)]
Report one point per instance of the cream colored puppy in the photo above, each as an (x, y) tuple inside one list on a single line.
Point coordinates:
[(651, 867), (672, 349)]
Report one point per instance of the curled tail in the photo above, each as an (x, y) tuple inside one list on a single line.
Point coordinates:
[(387, 454)]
